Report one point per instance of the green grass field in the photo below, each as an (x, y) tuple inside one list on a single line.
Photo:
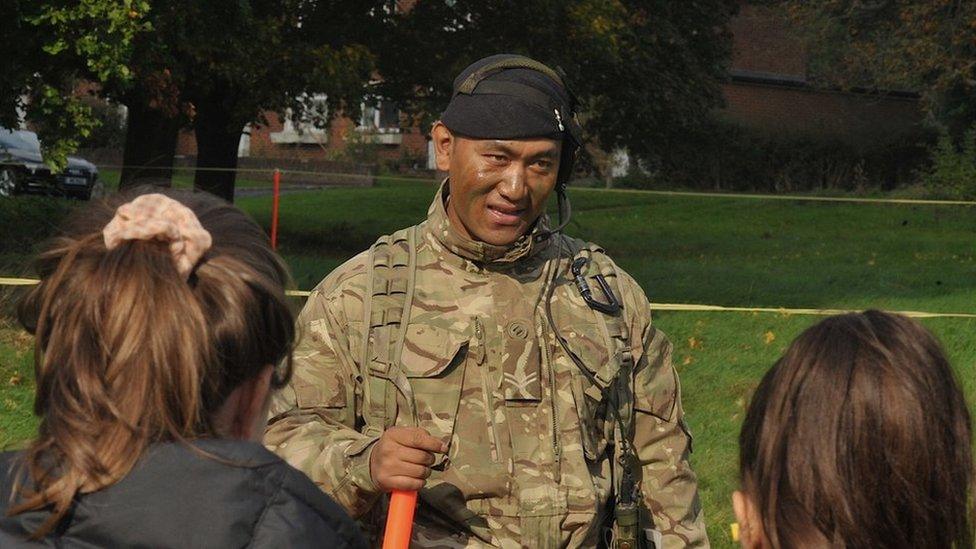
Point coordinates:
[(720, 251)]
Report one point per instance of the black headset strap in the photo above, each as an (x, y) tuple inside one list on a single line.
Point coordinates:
[(565, 213), (471, 82)]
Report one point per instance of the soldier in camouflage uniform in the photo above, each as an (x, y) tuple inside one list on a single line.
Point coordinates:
[(460, 355)]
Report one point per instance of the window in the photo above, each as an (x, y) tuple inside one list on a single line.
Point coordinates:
[(310, 127), (380, 117)]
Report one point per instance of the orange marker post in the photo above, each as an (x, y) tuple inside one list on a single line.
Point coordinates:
[(275, 193), (399, 519)]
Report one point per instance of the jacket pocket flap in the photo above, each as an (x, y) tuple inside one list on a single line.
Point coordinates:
[(321, 388), (430, 351), (589, 342), (657, 396)]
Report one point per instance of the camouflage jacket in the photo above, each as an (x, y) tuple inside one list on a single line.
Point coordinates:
[(530, 439)]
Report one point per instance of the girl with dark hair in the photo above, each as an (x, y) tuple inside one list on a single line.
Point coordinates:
[(858, 437), (158, 324)]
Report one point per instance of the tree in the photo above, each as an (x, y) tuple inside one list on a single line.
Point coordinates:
[(274, 58), (219, 65), (156, 114), (646, 71), (49, 47), (213, 66), (923, 45)]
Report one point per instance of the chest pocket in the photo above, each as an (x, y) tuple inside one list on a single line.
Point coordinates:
[(590, 340), (432, 360), (601, 342), (328, 391)]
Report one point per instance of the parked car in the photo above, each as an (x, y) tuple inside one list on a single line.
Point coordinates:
[(22, 170)]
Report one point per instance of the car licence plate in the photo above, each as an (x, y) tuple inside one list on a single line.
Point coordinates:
[(75, 181)]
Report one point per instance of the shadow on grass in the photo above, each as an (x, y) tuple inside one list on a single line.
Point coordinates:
[(341, 237)]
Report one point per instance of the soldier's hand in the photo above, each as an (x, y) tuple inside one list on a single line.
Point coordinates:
[(402, 457)]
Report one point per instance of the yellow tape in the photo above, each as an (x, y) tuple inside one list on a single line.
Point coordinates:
[(34, 282), (681, 307), (18, 281), (850, 199), (786, 312), (272, 170)]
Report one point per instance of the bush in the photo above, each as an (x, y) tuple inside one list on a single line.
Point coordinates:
[(407, 162), (29, 220), (724, 156), (952, 174), (358, 150), (110, 132)]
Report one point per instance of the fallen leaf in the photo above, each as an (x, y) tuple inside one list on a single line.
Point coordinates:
[(15, 379), (694, 343), (769, 337), (688, 360)]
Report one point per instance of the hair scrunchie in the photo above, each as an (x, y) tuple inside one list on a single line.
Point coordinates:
[(158, 217)]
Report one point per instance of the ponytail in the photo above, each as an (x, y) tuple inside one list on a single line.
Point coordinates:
[(131, 351)]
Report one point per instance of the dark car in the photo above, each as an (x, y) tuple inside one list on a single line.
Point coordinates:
[(22, 170)]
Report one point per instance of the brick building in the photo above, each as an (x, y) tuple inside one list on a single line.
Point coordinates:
[(768, 90), (381, 126), (390, 134)]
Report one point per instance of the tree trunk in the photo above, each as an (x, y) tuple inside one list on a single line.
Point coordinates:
[(218, 137), (150, 146)]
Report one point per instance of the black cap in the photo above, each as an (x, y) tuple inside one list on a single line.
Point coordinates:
[(510, 96)]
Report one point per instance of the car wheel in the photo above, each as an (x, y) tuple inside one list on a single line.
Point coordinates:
[(8, 182)]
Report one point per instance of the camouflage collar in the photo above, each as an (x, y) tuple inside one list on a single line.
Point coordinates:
[(439, 226)]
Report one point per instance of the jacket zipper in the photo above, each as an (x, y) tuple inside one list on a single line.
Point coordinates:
[(556, 449), (479, 334)]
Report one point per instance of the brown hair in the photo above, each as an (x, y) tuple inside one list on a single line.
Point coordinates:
[(129, 353), (859, 436)]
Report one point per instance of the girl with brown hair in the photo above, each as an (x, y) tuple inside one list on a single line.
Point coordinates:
[(158, 325), (858, 437)]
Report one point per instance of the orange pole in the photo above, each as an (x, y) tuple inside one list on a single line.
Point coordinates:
[(275, 194), (399, 520)]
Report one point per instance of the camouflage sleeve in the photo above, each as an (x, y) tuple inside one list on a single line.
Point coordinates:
[(661, 436), (663, 445), (313, 419)]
